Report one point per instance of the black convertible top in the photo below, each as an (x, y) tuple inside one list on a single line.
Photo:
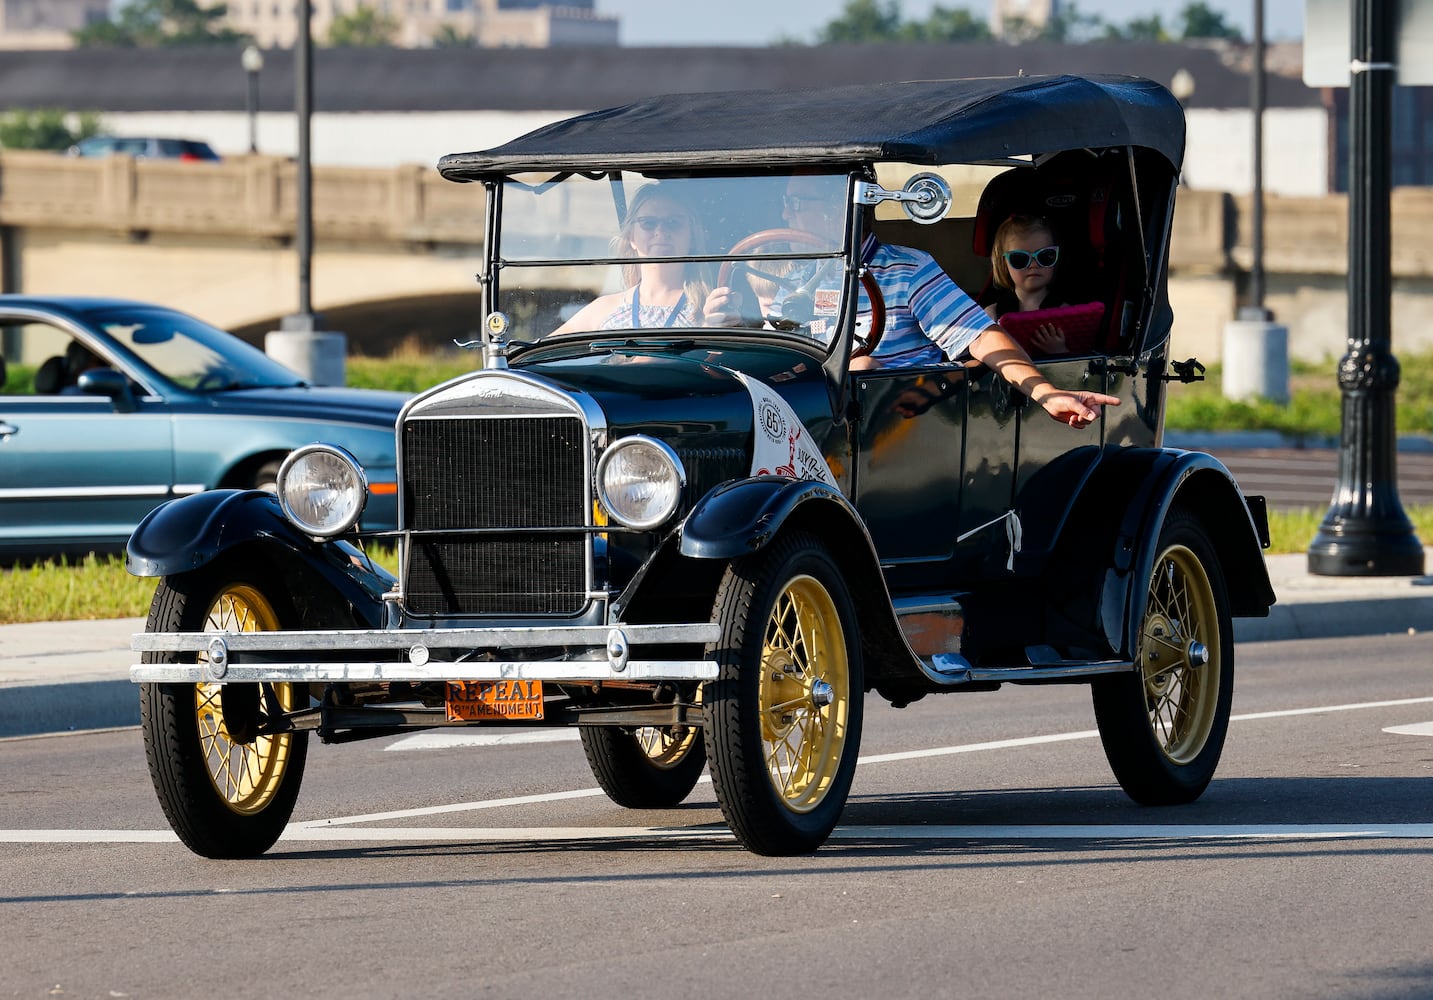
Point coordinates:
[(925, 122)]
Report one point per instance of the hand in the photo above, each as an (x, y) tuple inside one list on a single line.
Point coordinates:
[(1049, 339), (722, 307), (1078, 409)]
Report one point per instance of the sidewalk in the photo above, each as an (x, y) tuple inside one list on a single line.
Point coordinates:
[(59, 676)]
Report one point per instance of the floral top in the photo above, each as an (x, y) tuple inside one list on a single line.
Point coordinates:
[(632, 313)]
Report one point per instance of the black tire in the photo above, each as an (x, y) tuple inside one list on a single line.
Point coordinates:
[(647, 768), (1163, 725), (227, 792), (784, 715), (266, 477)]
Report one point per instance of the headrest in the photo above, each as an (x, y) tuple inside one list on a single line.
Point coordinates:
[(50, 376), (1076, 200)]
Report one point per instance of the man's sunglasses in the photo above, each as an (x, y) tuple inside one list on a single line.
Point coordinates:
[(669, 223), (1020, 259)]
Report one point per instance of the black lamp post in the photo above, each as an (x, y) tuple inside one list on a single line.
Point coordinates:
[(253, 61), (1366, 532)]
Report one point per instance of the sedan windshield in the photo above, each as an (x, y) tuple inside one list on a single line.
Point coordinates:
[(191, 354), (582, 254)]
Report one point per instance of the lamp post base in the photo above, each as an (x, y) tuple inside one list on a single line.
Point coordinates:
[(1349, 546)]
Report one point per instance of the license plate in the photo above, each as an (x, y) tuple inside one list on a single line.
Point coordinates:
[(476, 701)]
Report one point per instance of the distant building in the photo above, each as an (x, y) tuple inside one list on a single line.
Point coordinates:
[(46, 24), (421, 23), (1035, 13)]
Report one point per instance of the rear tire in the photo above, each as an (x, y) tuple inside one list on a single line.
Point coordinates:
[(227, 791), (784, 715), (1163, 725)]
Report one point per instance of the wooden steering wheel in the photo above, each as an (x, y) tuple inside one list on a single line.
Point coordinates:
[(800, 238)]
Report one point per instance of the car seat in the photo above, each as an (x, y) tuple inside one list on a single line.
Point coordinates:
[(1078, 194), (50, 377), (3, 375)]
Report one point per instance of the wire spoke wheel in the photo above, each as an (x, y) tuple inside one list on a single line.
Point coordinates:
[(804, 692), (784, 716), (227, 774), (1163, 726), (246, 774)]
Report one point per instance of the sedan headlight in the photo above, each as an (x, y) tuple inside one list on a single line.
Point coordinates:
[(322, 489), (640, 481)]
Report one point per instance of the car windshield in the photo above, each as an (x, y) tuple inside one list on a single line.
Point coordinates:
[(582, 253), (191, 354)]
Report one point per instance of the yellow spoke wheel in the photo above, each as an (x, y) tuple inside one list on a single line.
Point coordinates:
[(784, 716), (226, 781), (1163, 725)]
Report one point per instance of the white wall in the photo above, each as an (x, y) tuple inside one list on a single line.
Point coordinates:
[(1219, 151)]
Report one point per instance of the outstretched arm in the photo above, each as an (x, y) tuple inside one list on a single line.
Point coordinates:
[(998, 350)]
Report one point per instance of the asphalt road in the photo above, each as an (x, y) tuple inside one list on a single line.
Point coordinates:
[(985, 852)]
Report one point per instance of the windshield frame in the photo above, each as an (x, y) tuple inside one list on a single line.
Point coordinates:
[(503, 263)]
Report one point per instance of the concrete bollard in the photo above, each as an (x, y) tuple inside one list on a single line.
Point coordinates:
[(1256, 358), (318, 355)]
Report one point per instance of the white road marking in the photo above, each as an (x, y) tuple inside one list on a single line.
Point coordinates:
[(449, 739), (1416, 729)]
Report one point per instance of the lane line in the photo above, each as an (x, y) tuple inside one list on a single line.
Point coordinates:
[(300, 833), (446, 740)]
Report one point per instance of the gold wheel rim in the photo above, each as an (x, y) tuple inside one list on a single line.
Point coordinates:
[(246, 776), (805, 694), (667, 746), (1179, 655)]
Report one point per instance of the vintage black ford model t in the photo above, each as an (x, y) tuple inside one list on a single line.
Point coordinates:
[(703, 545)]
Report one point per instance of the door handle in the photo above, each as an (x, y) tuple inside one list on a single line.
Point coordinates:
[(7, 429)]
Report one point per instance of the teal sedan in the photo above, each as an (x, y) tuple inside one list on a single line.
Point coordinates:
[(109, 408)]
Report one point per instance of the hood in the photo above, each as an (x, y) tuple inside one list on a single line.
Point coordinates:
[(334, 403)]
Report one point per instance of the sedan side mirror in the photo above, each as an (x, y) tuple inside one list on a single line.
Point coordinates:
[(108, 382)]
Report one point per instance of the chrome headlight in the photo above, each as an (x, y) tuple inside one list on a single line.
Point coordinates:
[(322, 489), (640, 481)]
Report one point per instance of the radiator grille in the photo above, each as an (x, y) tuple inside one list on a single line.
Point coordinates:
[(516, 474)]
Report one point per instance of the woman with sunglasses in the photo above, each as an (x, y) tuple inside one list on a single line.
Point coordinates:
[(656, 294), (1022, 264)]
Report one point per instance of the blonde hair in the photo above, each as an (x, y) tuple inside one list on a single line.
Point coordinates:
[(694, 280), (1016, 225)]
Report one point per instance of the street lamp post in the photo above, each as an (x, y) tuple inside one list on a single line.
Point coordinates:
[(1366, 532), (253, 61)]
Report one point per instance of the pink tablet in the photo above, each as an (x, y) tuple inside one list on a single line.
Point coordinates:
[(1081, 325)]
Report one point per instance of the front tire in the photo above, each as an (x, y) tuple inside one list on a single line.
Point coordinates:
[(227, 788), (1163, 725), (653, 767), (784, 714)]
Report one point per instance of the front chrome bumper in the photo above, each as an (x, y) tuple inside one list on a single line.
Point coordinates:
[(568, 653)]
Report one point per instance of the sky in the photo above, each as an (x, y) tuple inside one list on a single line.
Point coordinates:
[(759, 22)]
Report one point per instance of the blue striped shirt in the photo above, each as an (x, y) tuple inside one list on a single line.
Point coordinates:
[(929, 319)]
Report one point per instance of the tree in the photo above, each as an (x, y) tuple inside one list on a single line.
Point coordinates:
[(364, 28), (1146, 29), (948, 24), (863, 21), (45, 128), (449, 37), (162, 23), (1198, 20)]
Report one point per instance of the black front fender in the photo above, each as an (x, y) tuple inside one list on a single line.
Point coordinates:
[(186, 534), (741, 517)]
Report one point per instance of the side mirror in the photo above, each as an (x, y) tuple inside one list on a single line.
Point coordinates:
[(927, 198), (107, 382)]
